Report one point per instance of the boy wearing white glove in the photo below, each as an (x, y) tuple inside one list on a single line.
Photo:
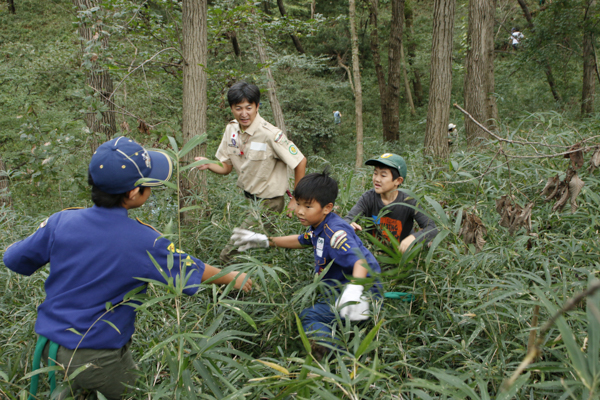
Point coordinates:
[(334, 241)]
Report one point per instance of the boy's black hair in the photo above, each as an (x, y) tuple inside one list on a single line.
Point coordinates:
[(241, 91), (317, 186), (394, 171), (107, 200)]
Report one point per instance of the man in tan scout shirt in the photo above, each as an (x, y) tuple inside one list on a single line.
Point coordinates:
[(260, 154)]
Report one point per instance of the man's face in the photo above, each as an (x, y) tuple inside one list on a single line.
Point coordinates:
[(245, 113)]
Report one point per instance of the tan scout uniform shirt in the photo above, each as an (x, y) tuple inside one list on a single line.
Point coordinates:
[(260, 156)]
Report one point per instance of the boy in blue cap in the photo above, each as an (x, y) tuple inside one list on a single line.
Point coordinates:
[(335, 243), (97, 255), (389, 173)]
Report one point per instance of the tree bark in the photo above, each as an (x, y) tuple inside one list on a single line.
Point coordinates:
[(389, 94), (409, 98), (5, 198), (479, 69), (271, 87), (96, 77), (295, 38), (11, 6), (438, 111), (357, 85), (232, 35), (411, 49), (544, 62), (195, 52), (588, 90)]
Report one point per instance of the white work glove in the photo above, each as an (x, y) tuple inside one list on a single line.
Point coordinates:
[(353, 312), (248, 240)]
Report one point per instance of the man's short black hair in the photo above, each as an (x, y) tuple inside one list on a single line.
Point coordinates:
[(241, 91), (394, 171), (107, 200), (317, 186)]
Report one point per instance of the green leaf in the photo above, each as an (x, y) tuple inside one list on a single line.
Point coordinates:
[(41, 371), (112, 325), (434, 244), (74, 331), (191, 144), (303, 336), (368, 339), (242, 313)]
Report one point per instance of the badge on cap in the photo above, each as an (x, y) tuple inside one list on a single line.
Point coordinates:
[(386, 155)]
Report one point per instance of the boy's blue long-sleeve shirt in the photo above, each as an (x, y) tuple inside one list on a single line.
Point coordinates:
[(95, 256), (334, 240)]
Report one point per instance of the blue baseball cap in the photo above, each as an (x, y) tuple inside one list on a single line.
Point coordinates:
[(119, 163)]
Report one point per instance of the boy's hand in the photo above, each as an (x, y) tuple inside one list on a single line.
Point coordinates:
[(356, 226), (240, 279), (247, 239), (354, 312), (405, 244)]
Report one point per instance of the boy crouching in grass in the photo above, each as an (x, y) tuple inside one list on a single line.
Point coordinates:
[(97, 256), (389, 173), (335, 243)]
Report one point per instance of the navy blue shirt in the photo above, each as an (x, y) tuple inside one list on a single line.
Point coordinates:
[(95, 256), (334, 240)]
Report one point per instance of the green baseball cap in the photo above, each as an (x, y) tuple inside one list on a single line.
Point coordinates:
[(391, 160)]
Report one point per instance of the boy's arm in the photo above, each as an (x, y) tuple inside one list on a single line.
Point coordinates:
[(210, 271), (360, 208), (359, 271), (288, 242)]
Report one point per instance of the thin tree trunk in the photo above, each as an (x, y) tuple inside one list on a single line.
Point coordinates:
[(11, 7), (5, 198), (544, 62), (271, 88), (392, 127), (374, 11), (232, 35), (406, 82), (96, 77), (195, 49), (491, 106), (477, 69), (295, 38), (313, 5), (438, 111), (357, 86), (589, 65), (411, 49)]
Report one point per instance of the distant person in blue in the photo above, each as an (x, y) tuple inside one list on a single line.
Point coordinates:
[(337, 117), (334, 243), (97, 256)]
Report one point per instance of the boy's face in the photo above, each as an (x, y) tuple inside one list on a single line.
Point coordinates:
[(384, 182), (245, 113), (311, 213)]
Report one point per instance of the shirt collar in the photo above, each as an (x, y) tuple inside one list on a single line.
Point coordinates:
[(114, 210), (255, 125)]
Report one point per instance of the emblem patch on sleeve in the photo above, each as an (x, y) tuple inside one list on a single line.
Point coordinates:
[(43, 224), (293, 150), (338, 239), (278, 137)]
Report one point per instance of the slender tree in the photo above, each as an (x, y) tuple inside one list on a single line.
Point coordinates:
[(389, 93), (195, 52), (589, 63), (11, 6), (357, 85), (295, 38), (411, 48), (544, 61), (479, 70), (4, 194), (93, 39), (438, 111)]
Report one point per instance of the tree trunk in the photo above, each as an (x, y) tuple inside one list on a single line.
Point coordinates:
[(491, 106), (589, 65), (544, 62), (392, 127), (374, 11), (195, 49), (232, 35), (11, 7), (411, 49), (313, 5), (295, 38), (478, 85), (96, 77), (438, 111), (406, 82), (5, 198), (271, 88), (357, 86)]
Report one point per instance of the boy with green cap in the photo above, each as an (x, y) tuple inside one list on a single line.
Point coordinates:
[(387, 206)]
